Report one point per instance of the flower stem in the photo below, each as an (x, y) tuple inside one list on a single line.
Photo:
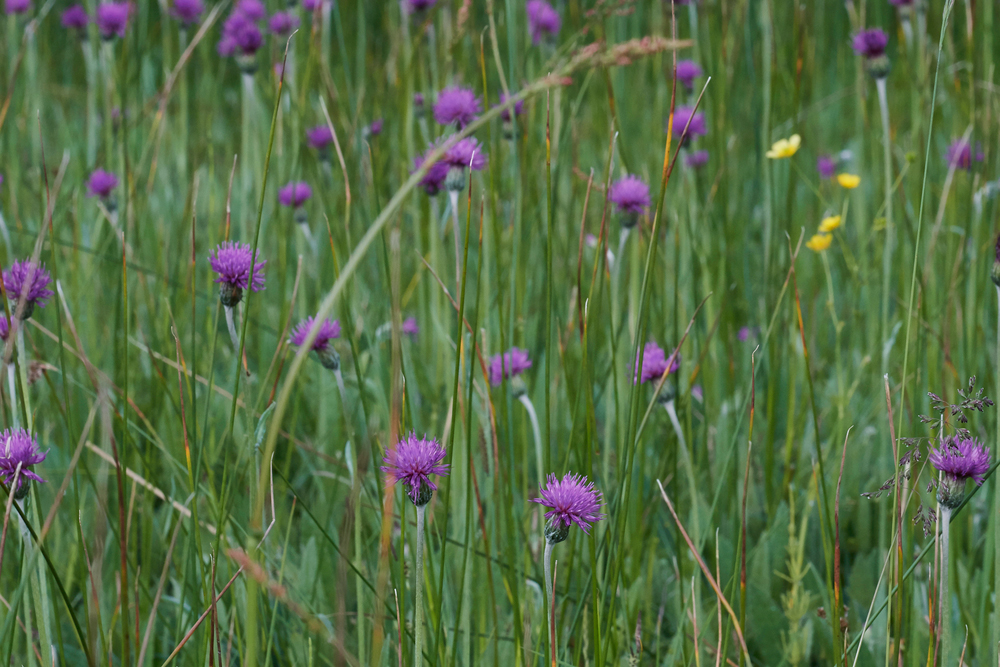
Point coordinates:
[(533, 416), (22, 356), (996, 503), (889, 230), (547, 561), (418, 609), (12, 391), (453, 196), (231, 323), (944, 615), (672, 413)]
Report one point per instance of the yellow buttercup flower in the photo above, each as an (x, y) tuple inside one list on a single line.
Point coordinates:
[(849, 181), (819, 242), (783, 148), (829, 224)]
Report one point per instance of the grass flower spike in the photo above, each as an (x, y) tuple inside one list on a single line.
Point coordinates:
[(783, 148)]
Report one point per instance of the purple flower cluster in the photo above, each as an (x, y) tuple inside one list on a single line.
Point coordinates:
[(232, 262), (456, 105), (410, 327), (112, 18), (630, 194), (654, 364), (188, 11), (571, 500), (417, 6), (32, 280), (412, 461), (687, 72), (697, 126), (507, 365), (4, 327), (319, 137), (12, 7), (464, 153), (518, 108), (75, 18), (374, 128), (959, 460), (18, 447), (101, 184), (826, 166), (870, 43), (327, 331), (696, 159), (960, 154), (543, 20), (296, 193), (241, 33), (283, 23)]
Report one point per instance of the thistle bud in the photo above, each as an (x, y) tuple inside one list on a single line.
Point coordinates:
[(556, 531), (879, 66), (230, 295), (456, 180)]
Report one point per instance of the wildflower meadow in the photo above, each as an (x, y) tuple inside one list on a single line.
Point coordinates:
[(506, 333)]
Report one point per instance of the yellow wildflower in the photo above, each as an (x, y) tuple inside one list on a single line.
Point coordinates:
[(829, 224), (849, 181), (819, 242), (783, 148)]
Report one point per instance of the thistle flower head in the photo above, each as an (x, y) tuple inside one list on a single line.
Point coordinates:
[(311, 5), (283, 23), (4, 327), (26, 275), (826, 166), (75, 18), (654, 363), (412, 461), (543, 20), (571, 500), (870, 43), (697, 127), (253, 10), (696, 159), (410, 327), (959, 459), (433, 180), (687, 72), (12, 7), (319, 137), (507, 365), (417, 6), (374, 128), (18, 447), (296, 193), (960, 154), (232, 262), (456, 105), (518, 108), (101, 183), (328, 331), (111, 19), (630, 194), (188, 11), (466, 152)]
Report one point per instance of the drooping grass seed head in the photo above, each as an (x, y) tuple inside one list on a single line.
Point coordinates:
[(631, 196), (959, 459), (571, 500), (18, 447), (232, 262), (34, 278), (323, 344), (412, 461), (456, 106)]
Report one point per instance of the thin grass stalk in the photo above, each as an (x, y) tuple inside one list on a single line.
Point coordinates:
[(890, 232), (533, 418)]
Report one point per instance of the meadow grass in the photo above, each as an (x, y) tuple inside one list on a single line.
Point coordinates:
[(214, 491)]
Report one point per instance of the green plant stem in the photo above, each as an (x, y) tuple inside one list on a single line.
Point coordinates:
[(549, 600), (944, 615), (418, 600), (890, 231), (533, 417), (996, 504)]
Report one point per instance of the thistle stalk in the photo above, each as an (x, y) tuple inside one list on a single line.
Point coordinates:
[(883, 104), (231, 324), (996, 502), (944, 518), (549, 599), (418, 609)]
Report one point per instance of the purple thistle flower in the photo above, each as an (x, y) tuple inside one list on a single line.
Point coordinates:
[(311, 5), (571, 500), (4, 327), (101, 183), (75, 18), (697, 127), (253, 10), (518, 108), (412, 461), (507, 365), (870, 43), (319, 137), (745, 333), (901, 3), (466, 153), (232, 262), (17, 446), (543, 20), (826, 166), (433, 180), (16, 6), (630, 194), (410, 327), (696, 159), (456, 105), (960, 154), (294, 194), (417, 6), (112, 18), (327, 331), (375, 128), (283, 23), (27, 275), (654, 363), (248, 38), (188, 11), (959, 459), (687, 72)]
